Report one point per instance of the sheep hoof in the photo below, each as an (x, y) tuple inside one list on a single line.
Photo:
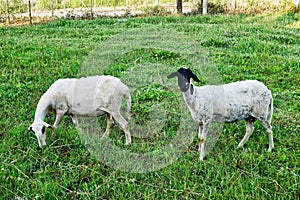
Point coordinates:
[(128, 143), (269, 149)]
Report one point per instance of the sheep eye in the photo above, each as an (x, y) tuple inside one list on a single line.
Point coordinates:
[(43, 130)]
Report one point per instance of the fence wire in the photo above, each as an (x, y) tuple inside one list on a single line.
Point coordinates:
[(23, 9), (40, 10)]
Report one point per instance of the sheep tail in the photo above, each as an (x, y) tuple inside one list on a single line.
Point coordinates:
[(128, 101), (271, 110)]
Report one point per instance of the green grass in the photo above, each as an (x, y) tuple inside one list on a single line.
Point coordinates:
[(241, 47)]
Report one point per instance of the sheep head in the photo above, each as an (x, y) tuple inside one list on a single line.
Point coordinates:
[(39, 128), (184, 78)]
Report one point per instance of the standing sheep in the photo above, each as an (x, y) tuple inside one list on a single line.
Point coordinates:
[(91, 96), (243, 100)]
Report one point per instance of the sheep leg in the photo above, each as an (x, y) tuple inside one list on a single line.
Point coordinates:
[(202, 139), (124, 124), (268, 128), (249, 131), (75, 121), (109, 123), (111, 117), (199, 136), (57, 121)]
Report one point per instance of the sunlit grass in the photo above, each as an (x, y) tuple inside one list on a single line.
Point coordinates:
[(242, 47)]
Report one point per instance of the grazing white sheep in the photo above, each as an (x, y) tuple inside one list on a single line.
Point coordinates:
[(243, 100), (91, 96)]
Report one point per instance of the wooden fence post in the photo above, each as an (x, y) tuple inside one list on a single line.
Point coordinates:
[(29, 10), (91, 6), (179, 6), (7, 12), (52, 8)]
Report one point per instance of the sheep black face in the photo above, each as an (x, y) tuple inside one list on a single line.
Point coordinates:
[(184, 78), (40, 132)]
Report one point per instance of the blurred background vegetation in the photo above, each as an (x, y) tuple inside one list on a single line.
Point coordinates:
[(10, 9)]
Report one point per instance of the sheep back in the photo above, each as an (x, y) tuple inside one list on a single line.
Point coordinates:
[(87, 96), (230, 102)]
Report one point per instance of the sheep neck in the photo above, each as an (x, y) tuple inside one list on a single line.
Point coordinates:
[(42, 109), (187, 95)]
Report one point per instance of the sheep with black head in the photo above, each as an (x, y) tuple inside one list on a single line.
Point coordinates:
[(248, 100)]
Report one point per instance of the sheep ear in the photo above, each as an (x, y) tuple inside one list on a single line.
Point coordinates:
[(29, 129), (173, 74), (195, 78), (192, 89), (47, 125)]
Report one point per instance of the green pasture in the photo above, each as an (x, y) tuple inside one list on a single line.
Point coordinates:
[(240, 47)]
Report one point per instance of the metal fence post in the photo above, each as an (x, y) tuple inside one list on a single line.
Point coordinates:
[(204, 10)]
